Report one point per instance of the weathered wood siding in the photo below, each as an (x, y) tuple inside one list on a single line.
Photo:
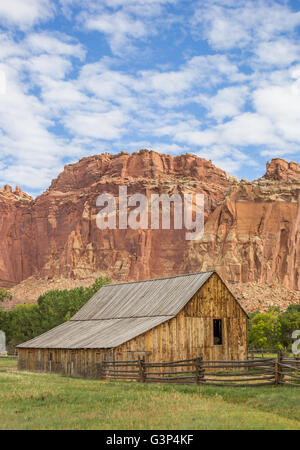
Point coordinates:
[(190, 333), (187, 335), (82, 363)]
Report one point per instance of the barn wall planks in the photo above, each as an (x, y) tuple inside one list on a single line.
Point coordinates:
[(187, 335), (82, 363), (190, 333)]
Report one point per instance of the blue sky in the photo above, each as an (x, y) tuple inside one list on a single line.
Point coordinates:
[(217, 78)]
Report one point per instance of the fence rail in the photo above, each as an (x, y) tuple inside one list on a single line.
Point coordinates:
[(251, 372), (257, 353), (288, 371)]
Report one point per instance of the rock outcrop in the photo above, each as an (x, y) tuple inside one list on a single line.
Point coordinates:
[(252, 229), (279, 169)]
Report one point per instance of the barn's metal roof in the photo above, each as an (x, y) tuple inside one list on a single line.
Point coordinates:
[(120, 312), (159, 297), (109, 333)]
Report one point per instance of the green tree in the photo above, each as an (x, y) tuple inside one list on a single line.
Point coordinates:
[(289, 322), (5, 295), (265, 330), (22, 323)]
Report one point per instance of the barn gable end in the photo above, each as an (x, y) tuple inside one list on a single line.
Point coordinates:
[(190, 333)]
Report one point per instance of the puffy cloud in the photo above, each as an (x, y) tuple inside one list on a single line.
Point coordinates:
[(107, 125), (281, 105), (228, 157), (281, 52), (228, 102), (227, 24), (59, 44), (2, 82), (25, 13), (119, 27)]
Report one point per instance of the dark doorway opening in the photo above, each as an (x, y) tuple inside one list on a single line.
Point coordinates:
[(217, 326)]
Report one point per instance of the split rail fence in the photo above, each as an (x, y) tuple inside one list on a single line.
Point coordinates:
[(251, 372)]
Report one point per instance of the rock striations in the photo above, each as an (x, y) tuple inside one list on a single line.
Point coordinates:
[(252, 229)]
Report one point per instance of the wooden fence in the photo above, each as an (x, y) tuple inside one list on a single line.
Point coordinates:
[(288, 371), (254, 353), (8, 356), (251, 372)]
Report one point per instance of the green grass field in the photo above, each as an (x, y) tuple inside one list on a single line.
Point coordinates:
[(42, 401)]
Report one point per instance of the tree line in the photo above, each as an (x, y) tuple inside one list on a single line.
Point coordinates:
[(28, 320)]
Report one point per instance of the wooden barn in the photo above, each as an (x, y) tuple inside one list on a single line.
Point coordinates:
[(163, 319)]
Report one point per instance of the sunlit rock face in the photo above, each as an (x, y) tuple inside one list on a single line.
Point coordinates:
[(251, 228), (279, 169)]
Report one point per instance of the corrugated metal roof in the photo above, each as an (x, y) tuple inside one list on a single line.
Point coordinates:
[(158, 297), (94, 333), (120, 312)]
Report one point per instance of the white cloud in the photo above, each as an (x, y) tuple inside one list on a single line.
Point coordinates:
[(61, 44), (25, 13), (51, 65), (281, 52), (2, 82), (119, 28), (60, 95), (228, 157), (29, 176), (124, 24), (281, 104), (228, 102), (8, 48), (107, 125), (199, 72), (31, 154), (232, 24), (105, 83), (246, 129)]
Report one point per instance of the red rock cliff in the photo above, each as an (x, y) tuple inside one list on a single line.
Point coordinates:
[(251, 232)]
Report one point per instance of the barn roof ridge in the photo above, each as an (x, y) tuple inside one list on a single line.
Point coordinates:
[(125, 317), (157, 279)]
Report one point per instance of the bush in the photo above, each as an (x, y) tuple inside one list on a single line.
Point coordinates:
[(273, 329)]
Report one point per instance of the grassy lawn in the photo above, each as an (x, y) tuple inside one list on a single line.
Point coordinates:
[(42, 401), (7, 363)]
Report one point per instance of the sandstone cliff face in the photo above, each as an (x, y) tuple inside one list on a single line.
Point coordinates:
[(15, 207), (251, 231), (56, 235), (254, 234)]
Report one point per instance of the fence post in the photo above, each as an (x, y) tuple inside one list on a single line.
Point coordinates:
[(142, 371), (280, 357), (199, 369), (278, 376)]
